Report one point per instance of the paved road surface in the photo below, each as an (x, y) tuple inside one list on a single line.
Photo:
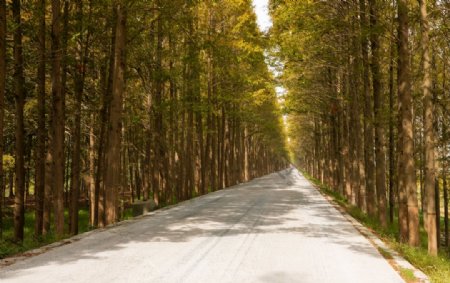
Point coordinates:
[(277, 228)]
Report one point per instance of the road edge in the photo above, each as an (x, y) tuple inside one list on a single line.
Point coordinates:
[(8, 261), (395, 259)]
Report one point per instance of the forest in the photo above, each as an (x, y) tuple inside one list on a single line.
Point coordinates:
[(108, 103), (368, 98), (104, 103)]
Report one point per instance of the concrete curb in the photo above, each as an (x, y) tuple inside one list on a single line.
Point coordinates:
[(397, 261)]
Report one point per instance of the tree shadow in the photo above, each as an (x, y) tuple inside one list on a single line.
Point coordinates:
[(264, 205)]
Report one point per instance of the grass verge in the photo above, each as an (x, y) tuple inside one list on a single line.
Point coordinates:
[(436, 268), (9, 248)]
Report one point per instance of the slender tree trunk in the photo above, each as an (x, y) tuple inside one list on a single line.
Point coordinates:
[(48, 194), (446, 198), (355, 145), (368, 117), (92, 197), (76, 154), (113, 149), (407, 156), (317, 150), (2, 102), (445, 188), (108, 74), (435, 130), (380, 150), (41, 130), (445, 160), (19, 89), (341, 135), (192, 87), (64, 71), (346, 147), (158, 134), (57, 140), (391, 137), (430, 140)]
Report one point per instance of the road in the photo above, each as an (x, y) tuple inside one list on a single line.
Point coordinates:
[(277, 228)]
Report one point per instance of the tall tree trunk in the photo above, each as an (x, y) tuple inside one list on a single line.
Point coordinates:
[(92, 197), (76, 153), (41, 130), (391, 136), (99, 208), (158, 134), (113, 149), (405, 98), (445, 161), (191, 93), (19, 89), (346, 146), (430, 140), (368, 117), (57, 140), (436, 125), (355, 141), (2, 102), (378, 99), (445, 189)]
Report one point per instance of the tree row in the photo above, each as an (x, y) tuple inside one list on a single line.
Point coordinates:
[(106, 102), (368, 98)]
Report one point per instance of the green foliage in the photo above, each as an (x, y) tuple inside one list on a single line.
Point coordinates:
[(407, 274), (194, 70), (8, 247), (8, 163)]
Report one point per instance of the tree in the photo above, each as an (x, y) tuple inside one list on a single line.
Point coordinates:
[(56, 144), (378, 99), (2, 101), (41, 130), (368, 116), (79, 80), (430, 140), (19, 84), (335, 52), (186, 125), (405, 98), (112, 153)]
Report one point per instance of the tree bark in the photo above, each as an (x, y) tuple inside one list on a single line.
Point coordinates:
[(378, 99), (429, 135), (81, 57), (445, 160), (2, 102), (19, 89), (92, 197), (113, 149), (405, 98), (391, 137), (41, 130), (368, 117), (57, 141), (99, 208)]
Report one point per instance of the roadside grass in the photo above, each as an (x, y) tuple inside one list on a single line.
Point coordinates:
[(437, 268), (8, 247), (407, 274), (385, 253)]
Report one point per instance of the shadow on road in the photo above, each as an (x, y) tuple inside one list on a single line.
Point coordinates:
[(263, 205)]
